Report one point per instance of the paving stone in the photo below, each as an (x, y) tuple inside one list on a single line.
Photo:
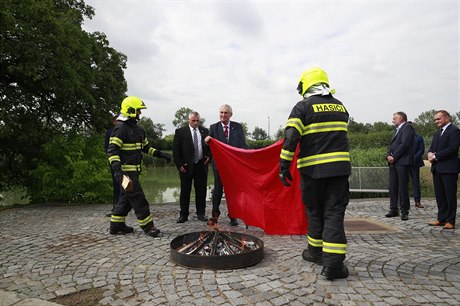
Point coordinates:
[(404, 267)]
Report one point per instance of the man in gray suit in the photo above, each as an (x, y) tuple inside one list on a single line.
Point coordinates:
[(400, 159), (231, 133)]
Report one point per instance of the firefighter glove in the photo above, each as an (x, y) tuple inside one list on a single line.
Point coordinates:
[(119, 176), (285, 176), (164, 156)]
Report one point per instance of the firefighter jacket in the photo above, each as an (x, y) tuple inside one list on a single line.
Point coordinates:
[(319, 122), (126, 145)]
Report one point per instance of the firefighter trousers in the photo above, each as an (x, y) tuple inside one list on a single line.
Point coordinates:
[(134, 200), (325, 201)]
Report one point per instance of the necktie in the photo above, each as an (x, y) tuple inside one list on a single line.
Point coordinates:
[(226, 132), (195, 145)]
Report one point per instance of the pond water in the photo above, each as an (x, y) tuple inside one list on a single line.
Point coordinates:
[(162, 185)]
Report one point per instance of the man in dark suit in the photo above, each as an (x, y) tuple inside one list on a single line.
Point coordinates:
[(419, 150), (445, 166), (192, 157), (232, 133), (400, 159)]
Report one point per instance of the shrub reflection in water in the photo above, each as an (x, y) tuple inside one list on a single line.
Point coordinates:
[(162, 185)]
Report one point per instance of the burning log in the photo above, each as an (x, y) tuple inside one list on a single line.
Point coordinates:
[(195, 245)]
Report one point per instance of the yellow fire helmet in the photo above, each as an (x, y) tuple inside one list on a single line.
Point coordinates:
[(130, 105), (311, 77)]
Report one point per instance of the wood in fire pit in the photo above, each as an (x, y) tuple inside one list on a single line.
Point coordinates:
[(216, 250)]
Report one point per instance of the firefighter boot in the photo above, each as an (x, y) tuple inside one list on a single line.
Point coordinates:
[(120, 228), (333, 273), (151, 230), (213, 220), (308, 257)]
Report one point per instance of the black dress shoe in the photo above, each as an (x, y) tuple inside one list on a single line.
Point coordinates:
[(334, 273), (233, 222), (202, 218), (392, 214), (308, 257), (182, 219), (404, 217)]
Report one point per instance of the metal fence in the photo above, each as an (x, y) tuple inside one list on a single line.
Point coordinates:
[(369, 179)]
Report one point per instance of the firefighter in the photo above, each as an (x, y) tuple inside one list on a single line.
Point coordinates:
[(126, 145), (319, 123)]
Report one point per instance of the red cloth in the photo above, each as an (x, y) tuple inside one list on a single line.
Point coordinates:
[(254, 192)]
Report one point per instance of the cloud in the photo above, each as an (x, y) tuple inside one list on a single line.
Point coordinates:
[(380, 56)]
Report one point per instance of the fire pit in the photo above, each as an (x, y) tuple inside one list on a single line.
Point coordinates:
[(216, 250)]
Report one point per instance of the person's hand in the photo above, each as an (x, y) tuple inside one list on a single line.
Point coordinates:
[(118, 175), (390, 159), (182, 169), (285, 176), (206, 160), (164, 156), (431, 157), (207, 139)]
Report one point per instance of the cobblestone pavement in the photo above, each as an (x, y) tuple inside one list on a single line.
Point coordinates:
[(53, 251)]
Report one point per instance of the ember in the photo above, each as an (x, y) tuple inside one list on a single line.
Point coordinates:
[(216, 250)]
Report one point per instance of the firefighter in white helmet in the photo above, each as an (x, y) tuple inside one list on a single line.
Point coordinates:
[(126, 145), (319, 123)]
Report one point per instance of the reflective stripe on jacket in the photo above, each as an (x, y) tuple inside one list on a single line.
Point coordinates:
[(126, 145)]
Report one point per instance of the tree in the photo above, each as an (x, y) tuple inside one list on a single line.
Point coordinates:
[(181, 117), (153, 131), (382, 126), (244, 125), (259, 134), (55, 79), (280, 133), (424, 124), (355, 127)]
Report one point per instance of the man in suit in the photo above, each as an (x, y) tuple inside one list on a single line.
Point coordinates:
[(445, 166), (192, 157), (419, 150), (400, 159), (229, 132)]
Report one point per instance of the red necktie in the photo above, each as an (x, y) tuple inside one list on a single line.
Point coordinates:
[(226, 132)]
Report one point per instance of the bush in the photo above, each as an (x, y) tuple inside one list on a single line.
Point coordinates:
[(259, 144), (73, 169), (371, 157), (371, 140)]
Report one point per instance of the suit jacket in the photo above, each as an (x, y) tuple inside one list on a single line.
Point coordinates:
[(236, 135), (419, 149), (445, 148), (402, 146), (184, 151)]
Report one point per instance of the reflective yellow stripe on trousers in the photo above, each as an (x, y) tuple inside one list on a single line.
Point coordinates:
[(318, 243), (336, 248)]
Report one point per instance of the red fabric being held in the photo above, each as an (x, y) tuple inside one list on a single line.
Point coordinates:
[(254, 192)]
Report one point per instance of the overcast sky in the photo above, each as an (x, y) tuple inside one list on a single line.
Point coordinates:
[(381, 56)]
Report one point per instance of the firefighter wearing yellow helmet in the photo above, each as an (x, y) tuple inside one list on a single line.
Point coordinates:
[(126, 145), (319, 123)]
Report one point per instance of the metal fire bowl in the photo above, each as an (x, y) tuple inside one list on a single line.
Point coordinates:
[(217, 262)]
